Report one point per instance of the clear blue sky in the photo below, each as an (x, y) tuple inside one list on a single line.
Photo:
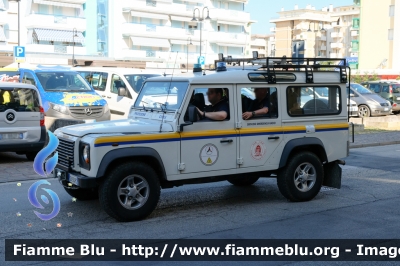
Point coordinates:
[(264, 10)]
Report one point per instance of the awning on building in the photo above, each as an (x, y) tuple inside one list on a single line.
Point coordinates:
[(2, 35), (151, 42), (149, 15), (230, 45), (183, 42), (186, 19), (58, 35), (54, 3), (230, 23)]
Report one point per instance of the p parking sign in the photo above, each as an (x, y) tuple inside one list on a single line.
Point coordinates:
[(19, 54), (201, 60)]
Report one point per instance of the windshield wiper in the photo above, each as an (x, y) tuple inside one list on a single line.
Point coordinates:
[(162, 106)]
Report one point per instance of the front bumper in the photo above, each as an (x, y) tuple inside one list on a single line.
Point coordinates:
[(73, 179), (376, 111), (26, 146)]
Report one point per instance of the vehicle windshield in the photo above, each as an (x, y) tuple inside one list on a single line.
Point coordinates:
[(162, 95), (360, 89), (396, 88), (63, 81), (136, 81)]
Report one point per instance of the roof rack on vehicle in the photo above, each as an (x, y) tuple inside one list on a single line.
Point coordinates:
[(273, 64)]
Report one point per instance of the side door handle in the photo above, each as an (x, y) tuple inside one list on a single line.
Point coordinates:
[(103, 96), (273, 138), (226, 141), (109, 97)]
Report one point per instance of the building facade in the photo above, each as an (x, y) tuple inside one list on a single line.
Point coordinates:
[(263, 44), (330, 32), (157, 32), (380, 38)]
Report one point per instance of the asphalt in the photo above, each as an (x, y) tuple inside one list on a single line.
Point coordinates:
[(365, 207)]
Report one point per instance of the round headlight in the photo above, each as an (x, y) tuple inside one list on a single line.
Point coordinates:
[(86, 154)]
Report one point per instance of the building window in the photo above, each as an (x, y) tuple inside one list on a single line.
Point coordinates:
[(391, 11), (356, 23), (6, 29), (354, 46), (390, 34), (43, 9)]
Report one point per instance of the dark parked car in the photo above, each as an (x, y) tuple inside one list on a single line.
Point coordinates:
[(389, 90)]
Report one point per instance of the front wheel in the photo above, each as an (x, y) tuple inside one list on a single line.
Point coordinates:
[(301, 178), (364, 111), (130, 192)]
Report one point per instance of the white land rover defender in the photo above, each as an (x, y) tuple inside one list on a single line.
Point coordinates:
[(166, 141)]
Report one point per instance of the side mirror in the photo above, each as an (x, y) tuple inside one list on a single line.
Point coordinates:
[(193, 114), (122, 92)]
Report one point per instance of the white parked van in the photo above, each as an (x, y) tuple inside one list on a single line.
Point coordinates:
[(119, 86)]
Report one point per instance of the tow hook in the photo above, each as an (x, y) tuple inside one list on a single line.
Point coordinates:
[(341, 162)]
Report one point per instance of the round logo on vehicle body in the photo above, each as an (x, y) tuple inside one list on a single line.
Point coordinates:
[(209, 154), (10, 116), (258, 150)]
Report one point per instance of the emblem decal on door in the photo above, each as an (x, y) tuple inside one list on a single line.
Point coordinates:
[(258, 150), (209, 154)]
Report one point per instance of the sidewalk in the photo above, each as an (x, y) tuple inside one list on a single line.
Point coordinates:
[(15, 167)]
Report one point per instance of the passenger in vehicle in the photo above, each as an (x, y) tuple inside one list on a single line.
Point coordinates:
[(219, 108), (294, 101), (259, 106)]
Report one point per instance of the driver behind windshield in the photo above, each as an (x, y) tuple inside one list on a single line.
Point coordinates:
[(219, 108)]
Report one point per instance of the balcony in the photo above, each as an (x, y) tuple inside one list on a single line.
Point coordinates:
[(258, 42), (336, 45), (337, 34), (301, 37), (323, 48), (336, 55), (322, 38), (55, 22), (354, 33), (230, 15), (239, 39), (154, 31), (54, 49)]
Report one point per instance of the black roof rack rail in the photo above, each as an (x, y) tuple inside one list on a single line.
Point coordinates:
[(309, 65)]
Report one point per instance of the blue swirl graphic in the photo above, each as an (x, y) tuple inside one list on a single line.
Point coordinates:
[(42, 166), (34, 201)]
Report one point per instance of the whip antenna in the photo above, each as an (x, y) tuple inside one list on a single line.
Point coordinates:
[(169, 89)]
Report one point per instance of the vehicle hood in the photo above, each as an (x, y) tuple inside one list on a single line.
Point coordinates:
[(374, 97), (126, 126), (87, 98)]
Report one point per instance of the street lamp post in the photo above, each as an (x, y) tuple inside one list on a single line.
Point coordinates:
[(74, 34), (201, 19), (315, 31), (189, 42)]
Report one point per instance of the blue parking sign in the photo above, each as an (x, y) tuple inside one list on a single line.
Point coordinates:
[(19, 54), (202, 60)]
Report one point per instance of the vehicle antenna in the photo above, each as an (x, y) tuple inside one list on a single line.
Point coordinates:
[(169, 90)]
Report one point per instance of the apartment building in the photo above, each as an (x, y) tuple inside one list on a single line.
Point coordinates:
[(157, 32), (380, 35), (263, 44), (307, 32)]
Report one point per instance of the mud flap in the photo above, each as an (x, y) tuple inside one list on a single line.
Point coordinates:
[(332, 175)]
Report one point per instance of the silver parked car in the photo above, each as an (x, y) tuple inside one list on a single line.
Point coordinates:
[(369, 103), (22, 128)]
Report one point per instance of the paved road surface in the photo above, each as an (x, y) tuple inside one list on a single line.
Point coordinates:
[(365, 207)]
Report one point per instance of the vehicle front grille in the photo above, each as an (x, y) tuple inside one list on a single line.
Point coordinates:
[(65, 151), (384, 104), (86, 112)]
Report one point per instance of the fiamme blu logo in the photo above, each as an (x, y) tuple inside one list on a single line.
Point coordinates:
[(44, 164)]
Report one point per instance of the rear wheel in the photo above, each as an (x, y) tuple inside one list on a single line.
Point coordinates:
[(301, 178), (83, 194), (364, 111), (243, 181), (130, 192)]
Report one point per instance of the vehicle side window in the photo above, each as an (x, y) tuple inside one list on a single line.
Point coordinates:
[(305, 101), (254, 99), (117, 82), (396, 88), (385, 88), (28, 79), (210, 100), (99, 81), (375, 88)]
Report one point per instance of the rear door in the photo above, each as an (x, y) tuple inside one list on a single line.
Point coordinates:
[(19, 115)]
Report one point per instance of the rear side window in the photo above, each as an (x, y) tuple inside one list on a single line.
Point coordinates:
[(310, 101), (375, 88), (28, 79), (98, 80), (385, 88), (19, 99), (396, 88)]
